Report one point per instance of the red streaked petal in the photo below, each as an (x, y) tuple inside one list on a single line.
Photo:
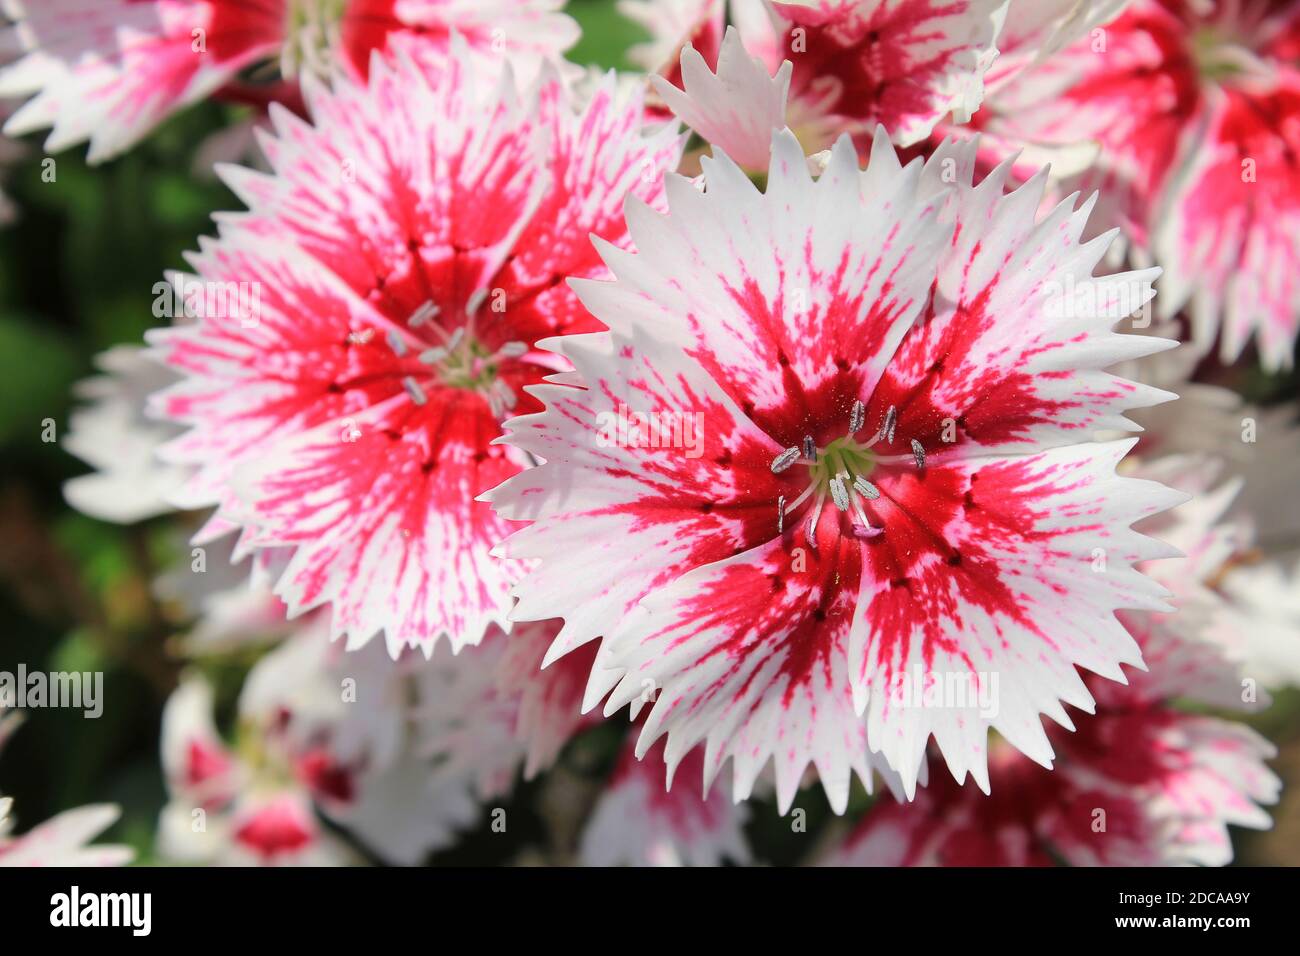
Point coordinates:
[(1234, 212), (620, 507), (993, 580), (527, 31), (381, 511), (290, 364), (550, 699), (903, 64), (109, 72), (791, 313), (748, 656), (1010, 355), (595, 159), (1144, 787), (639, 822), (1139, 95)]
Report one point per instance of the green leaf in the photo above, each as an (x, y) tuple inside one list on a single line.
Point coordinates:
[(37, 367), (606, 35)]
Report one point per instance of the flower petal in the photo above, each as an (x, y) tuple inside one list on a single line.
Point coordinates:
[(639, 822), (382, 515), (1010, 355), (109, 72), (749, 655), (735, 109), (784, 317), (900, 63), (1228, 237), (645, 474)]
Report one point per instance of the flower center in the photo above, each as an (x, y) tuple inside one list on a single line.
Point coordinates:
[(841, 472), (311, 32), (460, 360), (845, 458), (1219, 56)]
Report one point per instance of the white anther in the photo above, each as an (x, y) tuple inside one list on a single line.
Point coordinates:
[(784, 460), (857, 417), (414, 390)]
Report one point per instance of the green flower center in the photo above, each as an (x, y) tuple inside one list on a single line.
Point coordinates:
[(845, 458), (1218, 57), (840, 472), (460, 361), (312, 30)]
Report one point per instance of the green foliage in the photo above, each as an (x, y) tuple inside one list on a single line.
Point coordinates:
[(37, 367), (606, 35)]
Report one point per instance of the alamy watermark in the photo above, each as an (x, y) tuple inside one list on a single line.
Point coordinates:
[(952, 690), (1099, 298), (195, 298), (667, 429), (133, 911), (77, 690)]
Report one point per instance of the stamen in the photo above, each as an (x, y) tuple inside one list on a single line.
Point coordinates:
[(812, 522), (868, 490), (475, 300), (784, 460), (809, 449), (454, 339), (422, 315), (803, 496), (780, 514), (891, 419), (866, 531), (861, 515), (414, 390), (513, 350), (918, 452), (433, 356), (508, 397), (857, 417), (395, 343), (839, 494)]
